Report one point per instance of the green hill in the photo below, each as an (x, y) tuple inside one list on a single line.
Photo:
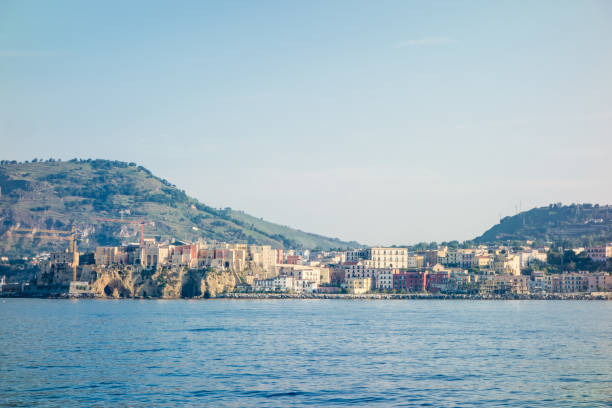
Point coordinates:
[(61, 195), (579, 224)]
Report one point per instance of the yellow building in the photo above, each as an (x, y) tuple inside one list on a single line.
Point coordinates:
[(358, 286)]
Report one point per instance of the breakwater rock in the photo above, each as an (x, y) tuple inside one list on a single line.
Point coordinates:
[(415, 296)]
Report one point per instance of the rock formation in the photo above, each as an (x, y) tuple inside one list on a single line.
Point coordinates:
[(166, 283)]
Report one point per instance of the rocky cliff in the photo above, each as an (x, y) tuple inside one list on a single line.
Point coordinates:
[(165, 283)]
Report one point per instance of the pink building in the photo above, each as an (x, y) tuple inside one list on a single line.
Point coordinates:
[(600, 253), (294, 260)]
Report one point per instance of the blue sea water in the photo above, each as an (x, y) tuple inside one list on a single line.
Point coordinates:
[(422, 353)]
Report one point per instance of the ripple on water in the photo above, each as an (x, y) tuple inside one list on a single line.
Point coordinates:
[(296, 353)]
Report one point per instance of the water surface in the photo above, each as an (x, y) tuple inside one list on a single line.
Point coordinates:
[(305, 352)]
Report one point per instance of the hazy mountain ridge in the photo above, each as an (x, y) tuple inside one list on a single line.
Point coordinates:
[(581, 224), (59, 195)]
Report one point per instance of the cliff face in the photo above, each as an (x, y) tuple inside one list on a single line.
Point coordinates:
[(162, 283)]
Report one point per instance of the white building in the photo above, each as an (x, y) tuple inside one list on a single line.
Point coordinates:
[(284, 283), (382, 257), (361, 269), (507, 264), (383, 279), (530, 255), (281, 283)]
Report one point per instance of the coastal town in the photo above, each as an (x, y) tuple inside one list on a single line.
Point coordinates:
[(167, 270)]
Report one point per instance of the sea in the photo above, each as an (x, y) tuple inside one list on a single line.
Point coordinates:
[(292, 353)]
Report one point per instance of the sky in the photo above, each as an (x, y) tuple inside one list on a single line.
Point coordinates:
[(384, 122)]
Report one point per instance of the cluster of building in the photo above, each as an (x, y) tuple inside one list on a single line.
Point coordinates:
[(484, 270)]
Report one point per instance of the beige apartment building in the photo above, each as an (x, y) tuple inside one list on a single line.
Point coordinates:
[(503, 284), (566, 283), (381, 257), (358, 286), (481, 261), (263, 257), (599, 282), (507, 264), (415, 261)]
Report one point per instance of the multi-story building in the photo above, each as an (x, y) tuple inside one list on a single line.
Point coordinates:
[(571, 282), (356, 255), (337, 275), (302, 285), (278, 283), (537, 283), (358, 285), (383, 278), (460, 281), (152, 255), (453, 258), (505, 263), (467, 257), (430, 257), (294, 259), (284, 283), (312, 273), (360, 269), (527, 257), (552, 283), (574, 282), (410, 281), (382, 257), (415, 261), (600, 253), (481, 261), (263, 258), (599, 282), (183, 255), (437, 281), (63, 257), (106, 256), (504, 284)]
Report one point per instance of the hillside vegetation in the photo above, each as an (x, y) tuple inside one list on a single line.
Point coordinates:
[(576, 224), (61, 195)]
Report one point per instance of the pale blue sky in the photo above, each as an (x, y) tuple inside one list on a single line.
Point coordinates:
[(387, 122)]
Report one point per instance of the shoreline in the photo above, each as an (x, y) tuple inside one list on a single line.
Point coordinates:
[(328, 296), (410, 296)]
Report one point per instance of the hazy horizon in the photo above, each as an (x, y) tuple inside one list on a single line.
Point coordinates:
[(386, 123)]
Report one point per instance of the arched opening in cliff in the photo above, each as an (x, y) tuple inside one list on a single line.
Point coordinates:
[(191, 289), (123, 292)]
